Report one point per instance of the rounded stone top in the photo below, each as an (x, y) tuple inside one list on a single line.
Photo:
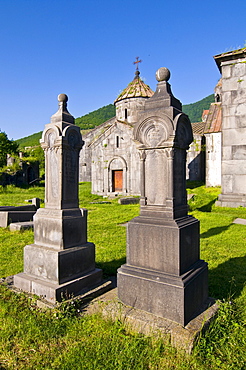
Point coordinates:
[(162, 74), (62, 98)]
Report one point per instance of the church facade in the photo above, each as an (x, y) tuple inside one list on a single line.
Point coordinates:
[(109, 158)]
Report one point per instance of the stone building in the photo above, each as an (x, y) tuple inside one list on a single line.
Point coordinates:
[(110, 159), (212, 135), (195, 168), (232, 66), (26, 174), (204, 154)]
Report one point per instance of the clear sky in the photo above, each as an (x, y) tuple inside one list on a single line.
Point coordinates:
[(86, 49)]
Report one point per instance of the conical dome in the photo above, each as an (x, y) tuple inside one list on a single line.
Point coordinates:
[(136, 89)]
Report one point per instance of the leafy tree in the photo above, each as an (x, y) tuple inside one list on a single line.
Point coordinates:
[(36, 153), (6, 147)]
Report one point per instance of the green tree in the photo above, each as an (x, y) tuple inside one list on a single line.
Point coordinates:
[(36, 153), (6, 147)]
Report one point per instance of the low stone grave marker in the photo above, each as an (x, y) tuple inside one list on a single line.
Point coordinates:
[(10, 214), (128, 200)]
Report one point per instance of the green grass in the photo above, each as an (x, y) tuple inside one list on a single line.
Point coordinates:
[(66, 339)]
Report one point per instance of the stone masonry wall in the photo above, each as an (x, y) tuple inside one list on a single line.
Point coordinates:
[(234, 126)]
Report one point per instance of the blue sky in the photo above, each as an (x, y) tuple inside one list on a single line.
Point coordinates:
[(86, 49)]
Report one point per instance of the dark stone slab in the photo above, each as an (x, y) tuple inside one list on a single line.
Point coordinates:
[(128, 201), (11, 216)]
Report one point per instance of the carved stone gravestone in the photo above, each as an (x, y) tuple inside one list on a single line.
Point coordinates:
[(163, 273), (61, 262)]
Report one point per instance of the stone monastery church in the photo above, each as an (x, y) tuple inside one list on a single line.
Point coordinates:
[(109, 158)]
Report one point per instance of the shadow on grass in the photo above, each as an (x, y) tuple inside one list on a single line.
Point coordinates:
[(110, 268), (207, 207), (214, 231), (228, 279), (194, 184)]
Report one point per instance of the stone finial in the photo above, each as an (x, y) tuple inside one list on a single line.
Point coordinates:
[(62, 98), (162, 74), (62, 114)]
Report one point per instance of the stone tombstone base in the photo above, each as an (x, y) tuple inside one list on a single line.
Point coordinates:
[(56, 275), (163, 274), (52, 292), (60, 228), (231, 200), (61, 263)]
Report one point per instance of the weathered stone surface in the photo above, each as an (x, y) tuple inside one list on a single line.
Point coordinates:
[(18, 226), (128, 200), (149, 324), (163, 274), (61, 262), (240, 221), (57, 292), (8, 217), (233, 169)]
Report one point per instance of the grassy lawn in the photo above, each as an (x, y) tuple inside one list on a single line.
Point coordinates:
[(66, 339)]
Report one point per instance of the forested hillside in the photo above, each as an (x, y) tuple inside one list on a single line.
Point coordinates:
[(95, 118), (194, 110), (31, 140)]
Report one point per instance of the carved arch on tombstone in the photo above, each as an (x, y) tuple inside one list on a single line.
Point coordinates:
[(154, 131), (49, 137), (73, 137), (183, 131), (117, 175)]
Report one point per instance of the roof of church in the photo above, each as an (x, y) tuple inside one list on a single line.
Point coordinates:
[(198, 127), (137, 88), (214, 119)]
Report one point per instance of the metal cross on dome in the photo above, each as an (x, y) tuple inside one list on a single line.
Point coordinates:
[(137, 61)]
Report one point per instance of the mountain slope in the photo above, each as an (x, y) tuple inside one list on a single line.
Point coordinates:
[(95, 118), (194, 110)]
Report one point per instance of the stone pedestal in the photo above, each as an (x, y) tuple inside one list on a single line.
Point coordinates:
[(163, 274), (61, 262)]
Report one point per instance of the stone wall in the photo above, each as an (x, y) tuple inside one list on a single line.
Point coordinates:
[(195, 167), (233, 177), (213, 159)]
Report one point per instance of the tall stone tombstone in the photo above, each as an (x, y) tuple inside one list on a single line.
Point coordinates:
[(164, 274), (61, 262)]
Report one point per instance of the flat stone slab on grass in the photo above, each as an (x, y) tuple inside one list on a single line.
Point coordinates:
[(11, 216), (128, 200), (18, 226), (149, 324), (240, 221)]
